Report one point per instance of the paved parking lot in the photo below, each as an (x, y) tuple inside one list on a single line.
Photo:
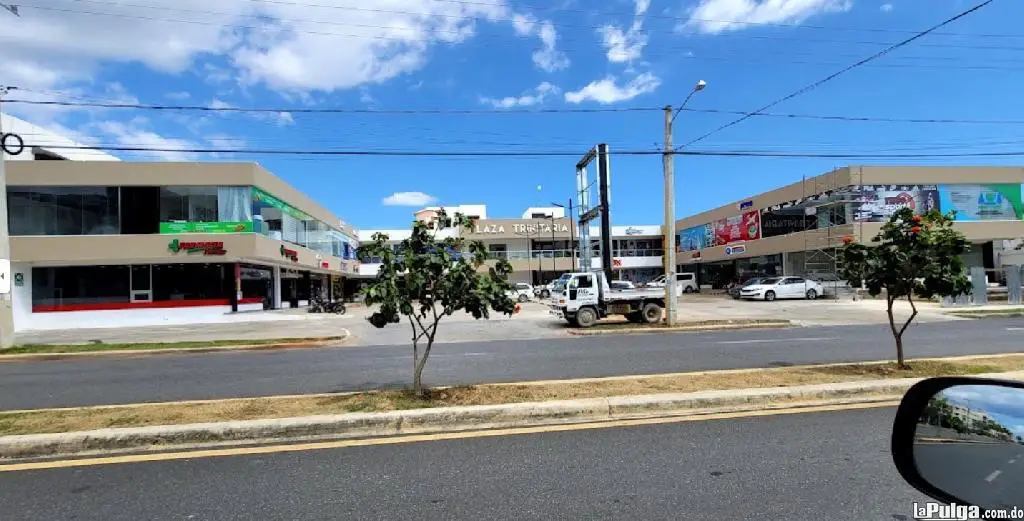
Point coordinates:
[(533, 322)]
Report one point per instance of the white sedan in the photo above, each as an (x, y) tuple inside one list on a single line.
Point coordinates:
[(782, 287)]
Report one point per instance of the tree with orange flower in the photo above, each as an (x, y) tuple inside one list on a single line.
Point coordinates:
[(913, 256)]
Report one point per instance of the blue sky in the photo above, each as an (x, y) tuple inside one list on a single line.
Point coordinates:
[(487, 54)]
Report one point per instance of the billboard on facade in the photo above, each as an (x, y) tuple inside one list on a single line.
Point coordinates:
[(745, 227), (696, 238), (983, 202), (877, 203)]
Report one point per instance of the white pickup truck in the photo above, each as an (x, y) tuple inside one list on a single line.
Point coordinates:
[(584, 298)]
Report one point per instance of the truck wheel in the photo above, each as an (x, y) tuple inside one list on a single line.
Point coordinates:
[(687, 289), (651, 313), (586, 317)]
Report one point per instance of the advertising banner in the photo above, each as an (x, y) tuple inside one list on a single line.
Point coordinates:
[(984, 202), (696, 238), (773, 224), (214, 227), (746, 227), (877, 203)]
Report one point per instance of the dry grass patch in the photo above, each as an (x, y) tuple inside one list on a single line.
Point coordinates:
[(67, 420)]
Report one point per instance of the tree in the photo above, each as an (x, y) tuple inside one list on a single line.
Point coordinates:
[(426, 279), (913, 256)]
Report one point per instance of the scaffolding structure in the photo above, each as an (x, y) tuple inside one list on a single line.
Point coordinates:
[(830, 204)]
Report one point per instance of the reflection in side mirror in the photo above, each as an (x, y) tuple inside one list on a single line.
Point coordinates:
[(961, 440)]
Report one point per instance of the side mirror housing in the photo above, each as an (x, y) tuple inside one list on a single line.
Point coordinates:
[(961, 440)]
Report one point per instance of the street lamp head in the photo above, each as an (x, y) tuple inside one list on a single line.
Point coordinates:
[(558, 205), (700, 86)]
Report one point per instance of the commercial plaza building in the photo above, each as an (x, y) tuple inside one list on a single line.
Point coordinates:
[(115, 243), (542, 244), (796, 229)]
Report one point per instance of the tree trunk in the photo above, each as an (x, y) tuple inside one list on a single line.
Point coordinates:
[(417, 375), (896, 333)]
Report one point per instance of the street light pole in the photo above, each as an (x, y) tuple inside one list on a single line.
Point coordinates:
[(669, 228)]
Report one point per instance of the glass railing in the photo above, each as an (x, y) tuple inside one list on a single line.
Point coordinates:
[(558, 254)]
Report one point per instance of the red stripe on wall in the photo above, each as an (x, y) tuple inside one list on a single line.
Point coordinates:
[(110, 306)]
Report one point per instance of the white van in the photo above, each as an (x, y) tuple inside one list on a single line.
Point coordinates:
[(685, 283)]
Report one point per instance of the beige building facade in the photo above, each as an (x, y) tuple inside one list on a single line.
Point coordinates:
[(795, 229), (133, 243)]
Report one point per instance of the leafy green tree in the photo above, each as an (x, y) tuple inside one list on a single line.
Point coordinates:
[(913, 256), (426, 279)]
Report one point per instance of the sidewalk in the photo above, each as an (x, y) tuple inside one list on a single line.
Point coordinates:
[(244, 326)]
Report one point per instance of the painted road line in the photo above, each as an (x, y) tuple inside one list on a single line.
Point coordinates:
[(1015, 329), (993, 476), (1011, 462), (776, 340), (416, 438)]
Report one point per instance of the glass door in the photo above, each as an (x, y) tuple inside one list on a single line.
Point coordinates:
[(142, 283)]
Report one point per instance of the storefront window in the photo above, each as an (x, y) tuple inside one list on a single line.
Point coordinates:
[(63, 210), (234, 204), (191, 281), (188, 203), (79, 286)]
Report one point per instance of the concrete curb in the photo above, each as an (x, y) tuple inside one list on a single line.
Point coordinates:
[(445, 419), (31, 357), (776, 324)]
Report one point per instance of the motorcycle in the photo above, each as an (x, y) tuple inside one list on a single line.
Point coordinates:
[(318, 305)]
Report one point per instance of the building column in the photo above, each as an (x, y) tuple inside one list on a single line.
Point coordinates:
[(785, 265), (277, 287)]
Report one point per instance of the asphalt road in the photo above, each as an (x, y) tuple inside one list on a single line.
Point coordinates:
[(989, 475), (811, 466), (73, 382)]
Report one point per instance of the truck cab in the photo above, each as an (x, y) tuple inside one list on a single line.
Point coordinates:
[(584, 298)]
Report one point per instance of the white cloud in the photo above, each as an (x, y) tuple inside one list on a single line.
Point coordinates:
[(626, 45), (178, 96), (531, 97), (608, 90), (548, 58), (132, 134), (291, 47), (219, 104), (717, 16), (409, 199), (885, 8)]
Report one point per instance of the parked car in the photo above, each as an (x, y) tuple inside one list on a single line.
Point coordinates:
[(621, 284), (521, 292), (685, 283), (734, 289), (782, 287)]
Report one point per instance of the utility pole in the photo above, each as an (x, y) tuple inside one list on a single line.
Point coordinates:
[(669, 228), (6, 305)]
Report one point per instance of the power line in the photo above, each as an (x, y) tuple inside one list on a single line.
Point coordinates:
[(534, 153), (520, 110), (300, 110), (422, 40), (832, 76)]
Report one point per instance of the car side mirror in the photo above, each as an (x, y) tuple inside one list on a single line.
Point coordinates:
[(961, 440)]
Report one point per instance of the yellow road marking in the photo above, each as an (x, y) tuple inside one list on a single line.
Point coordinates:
[(416, 438)]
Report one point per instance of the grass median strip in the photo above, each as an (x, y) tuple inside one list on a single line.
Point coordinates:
[(78, 419), (88, 347)]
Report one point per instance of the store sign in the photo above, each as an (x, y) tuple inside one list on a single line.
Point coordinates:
[(205, 248), (740, 228), (289, 254), (175, 227), (633, 231), (616, 263), (325, 265), (877, 203), (695, 255), (735, 249), (745, 205), (983, 202)]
